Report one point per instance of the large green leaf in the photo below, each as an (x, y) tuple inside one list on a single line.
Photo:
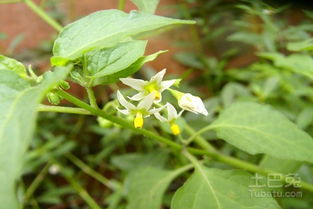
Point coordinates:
[(104, 29), (18, 111), (146, 186), (218, 189), (278, 166), (127, 71), (108, 61), (256, 128), (148, 6)]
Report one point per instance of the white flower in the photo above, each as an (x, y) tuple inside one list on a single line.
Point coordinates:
[(192, 103), (139, 111), (155, 85), (172, 116)]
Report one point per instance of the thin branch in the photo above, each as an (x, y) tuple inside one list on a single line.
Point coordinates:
[(70, 110), (41, 13)]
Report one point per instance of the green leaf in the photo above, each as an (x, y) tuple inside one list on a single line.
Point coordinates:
[(148, 6), (104, 29), (218, 189), (306, 45), (133, 161), (18, 111), (127, 71), (145, 187), (298, 63), (108, 61), (7, 63), (257, 129), (278, 166)]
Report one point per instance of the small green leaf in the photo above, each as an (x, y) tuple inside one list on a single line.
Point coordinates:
[(145, 187), (218, 189), (7, 63), (257, 129), (127, 71), (18, 111), (148, 6), (104, 29), (109, 61)]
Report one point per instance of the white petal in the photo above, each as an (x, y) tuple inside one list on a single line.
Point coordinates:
[(137, 84), (123, 101), (125, 112), (147, 102), (159, 76), (137, 97), (160, 117), (171, 111), (155, 110), (180, 113), (167, 84)]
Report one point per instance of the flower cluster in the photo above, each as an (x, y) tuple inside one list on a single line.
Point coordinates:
[(149, 99)]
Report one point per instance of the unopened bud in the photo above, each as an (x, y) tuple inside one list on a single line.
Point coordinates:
[(53, 98), (64, 85)]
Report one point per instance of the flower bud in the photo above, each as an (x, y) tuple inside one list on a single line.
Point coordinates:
[(104, 123), (53, 98), (193, 104), (64, 85)]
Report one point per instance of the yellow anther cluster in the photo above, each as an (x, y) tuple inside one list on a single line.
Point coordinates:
[(175, 129), (138, 122)]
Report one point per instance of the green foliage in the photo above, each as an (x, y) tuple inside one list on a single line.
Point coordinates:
[(7, 63), (77, 39), (146, 186), (123, 73), (218, 189), (259, 129), (18, 125), (109, 61), (255, 110)]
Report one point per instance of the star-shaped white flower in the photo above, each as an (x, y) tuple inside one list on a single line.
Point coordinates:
[(192, 103), (142, 110), (172, 116), (156, 85)]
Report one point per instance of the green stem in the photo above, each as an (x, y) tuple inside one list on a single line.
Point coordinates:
[(121, 4), (70, 110), (83, 193), (34, 185), (198, 139), (106, 182), (122, 122), (214, 154), (41, 13), (191, 158), (92, 98)]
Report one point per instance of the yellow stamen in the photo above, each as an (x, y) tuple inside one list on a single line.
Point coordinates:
[(175, 129), (138, 122), (152, 88), (157, 95)]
